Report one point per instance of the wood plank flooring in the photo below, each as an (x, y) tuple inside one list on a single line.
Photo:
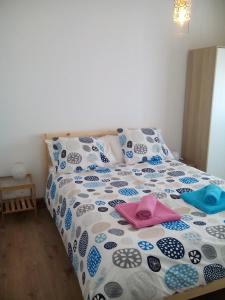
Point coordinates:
[(34, 264), (33, 261)]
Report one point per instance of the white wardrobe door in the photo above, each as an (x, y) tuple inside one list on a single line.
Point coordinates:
[(216, 150)]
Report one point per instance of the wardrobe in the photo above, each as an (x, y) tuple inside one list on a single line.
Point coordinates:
[(203, 143)]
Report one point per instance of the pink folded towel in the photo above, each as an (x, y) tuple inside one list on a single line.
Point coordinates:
[(162, 214), (146, 207)]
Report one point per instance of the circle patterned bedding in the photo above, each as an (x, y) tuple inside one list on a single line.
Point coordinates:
[(114, 260)]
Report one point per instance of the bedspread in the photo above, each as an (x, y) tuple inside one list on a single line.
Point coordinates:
[(114, 260)]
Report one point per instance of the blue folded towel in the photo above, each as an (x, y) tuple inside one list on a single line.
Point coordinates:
[(210, 199), (213, 194)]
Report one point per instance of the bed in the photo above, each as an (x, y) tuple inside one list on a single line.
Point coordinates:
[(173, 260)]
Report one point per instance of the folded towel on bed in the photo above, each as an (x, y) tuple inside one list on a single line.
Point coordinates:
[(210, 199), (146, 207), (162, 213), (213, 194)]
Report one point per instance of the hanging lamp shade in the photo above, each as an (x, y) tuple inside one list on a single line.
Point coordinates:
[(182, 12)]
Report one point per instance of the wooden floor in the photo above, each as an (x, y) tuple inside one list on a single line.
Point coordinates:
[(33, 260), (34, 263)]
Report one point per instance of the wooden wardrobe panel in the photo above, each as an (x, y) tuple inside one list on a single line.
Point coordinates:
[(197, 109)]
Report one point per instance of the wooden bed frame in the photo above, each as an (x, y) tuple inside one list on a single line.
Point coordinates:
[(188, 294)]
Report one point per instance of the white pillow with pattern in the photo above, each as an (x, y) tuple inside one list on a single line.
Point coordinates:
[(74, 154), (144, 144)]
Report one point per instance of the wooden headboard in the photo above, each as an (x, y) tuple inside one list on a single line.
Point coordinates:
[(49, 136)]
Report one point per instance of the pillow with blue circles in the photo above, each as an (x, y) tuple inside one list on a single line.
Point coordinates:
[(74, 154), (144, 144)]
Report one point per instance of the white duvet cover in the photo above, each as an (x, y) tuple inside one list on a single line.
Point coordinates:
[(114, 260)]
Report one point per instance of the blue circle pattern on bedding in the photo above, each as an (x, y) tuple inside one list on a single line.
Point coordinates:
[(145, 245), (93, 261), (174, 250), (53, 190), (68, 219), (181, 276), (214, 272), (83, 244), (171, 247), (188, 180), (176, 225), (128, 191), (155, 160)]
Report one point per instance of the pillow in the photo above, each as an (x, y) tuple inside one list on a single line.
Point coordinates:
[(54, 147), (73, 154), (114, 145), (145, 144), (165, 148), (106, 142)]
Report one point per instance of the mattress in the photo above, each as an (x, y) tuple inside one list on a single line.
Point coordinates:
[(114, 260)]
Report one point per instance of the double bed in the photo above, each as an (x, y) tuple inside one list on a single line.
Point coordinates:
[(174, 260)]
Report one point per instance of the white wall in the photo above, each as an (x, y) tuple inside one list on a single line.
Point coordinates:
[(91, 64)]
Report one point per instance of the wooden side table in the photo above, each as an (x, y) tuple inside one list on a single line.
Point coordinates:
[(19, 203)]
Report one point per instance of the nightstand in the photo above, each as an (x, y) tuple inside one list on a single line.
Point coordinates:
[(17, 195)]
